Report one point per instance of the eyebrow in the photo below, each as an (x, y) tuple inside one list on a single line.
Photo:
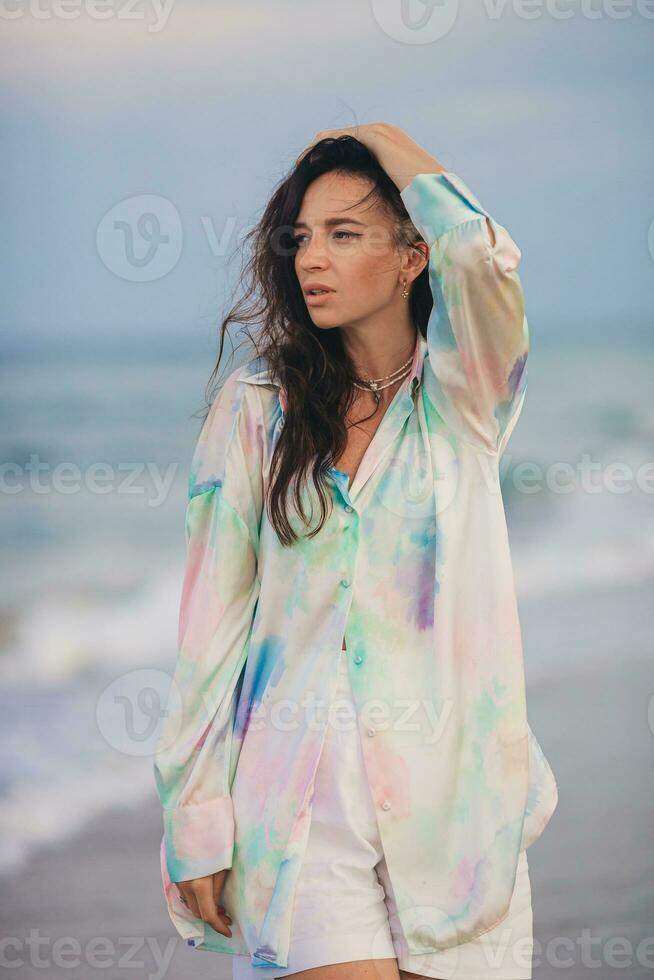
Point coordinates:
[(330, 222)]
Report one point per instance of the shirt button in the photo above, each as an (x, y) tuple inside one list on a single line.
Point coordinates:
[(358, 659), (371, 732), (386, 805), (348, 509), (345, 582)]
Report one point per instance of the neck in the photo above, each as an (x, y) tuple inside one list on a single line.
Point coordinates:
[(374, 359)]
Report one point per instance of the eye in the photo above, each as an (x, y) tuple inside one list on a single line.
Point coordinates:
[(298, 239)]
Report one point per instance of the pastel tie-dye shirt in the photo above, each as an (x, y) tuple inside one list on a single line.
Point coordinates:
[(413, 568)]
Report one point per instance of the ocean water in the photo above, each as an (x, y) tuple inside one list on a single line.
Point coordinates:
[(95, 453)]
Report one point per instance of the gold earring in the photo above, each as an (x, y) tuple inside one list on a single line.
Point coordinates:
[(405, 291)]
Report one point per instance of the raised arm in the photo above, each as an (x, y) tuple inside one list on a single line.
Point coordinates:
[(219, 596), (477, 333)]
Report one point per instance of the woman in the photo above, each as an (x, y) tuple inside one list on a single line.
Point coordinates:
[(389, 374)]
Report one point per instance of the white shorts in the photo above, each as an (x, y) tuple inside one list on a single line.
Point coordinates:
[(344, 907)]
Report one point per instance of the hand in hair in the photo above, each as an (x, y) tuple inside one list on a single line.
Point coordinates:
[(399, 155)]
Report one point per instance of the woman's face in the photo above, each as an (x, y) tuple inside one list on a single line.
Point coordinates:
[(348, 249)]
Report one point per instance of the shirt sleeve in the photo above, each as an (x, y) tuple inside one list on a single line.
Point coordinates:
[(219, 595), (477, 333)]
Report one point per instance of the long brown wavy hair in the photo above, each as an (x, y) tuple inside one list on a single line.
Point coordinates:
[(311, 364)]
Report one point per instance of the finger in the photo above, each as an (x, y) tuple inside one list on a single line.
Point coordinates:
[(209, 913), (221, 908), (190, 901), (218, 880), (217, 886), (211, 886), (192, 905)]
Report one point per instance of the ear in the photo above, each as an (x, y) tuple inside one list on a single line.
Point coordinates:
[(417, 257)]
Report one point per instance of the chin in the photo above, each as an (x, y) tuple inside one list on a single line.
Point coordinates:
[(325, 325)]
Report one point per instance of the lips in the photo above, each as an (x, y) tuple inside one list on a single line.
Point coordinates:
[(318, 299), (308, 289)]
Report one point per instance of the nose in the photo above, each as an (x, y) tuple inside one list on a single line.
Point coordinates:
[(313, 255)]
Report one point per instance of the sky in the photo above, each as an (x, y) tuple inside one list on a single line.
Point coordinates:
[(142, 140)]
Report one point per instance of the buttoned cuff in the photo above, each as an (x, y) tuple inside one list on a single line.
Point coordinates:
[(199, 838), (439, 202)]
